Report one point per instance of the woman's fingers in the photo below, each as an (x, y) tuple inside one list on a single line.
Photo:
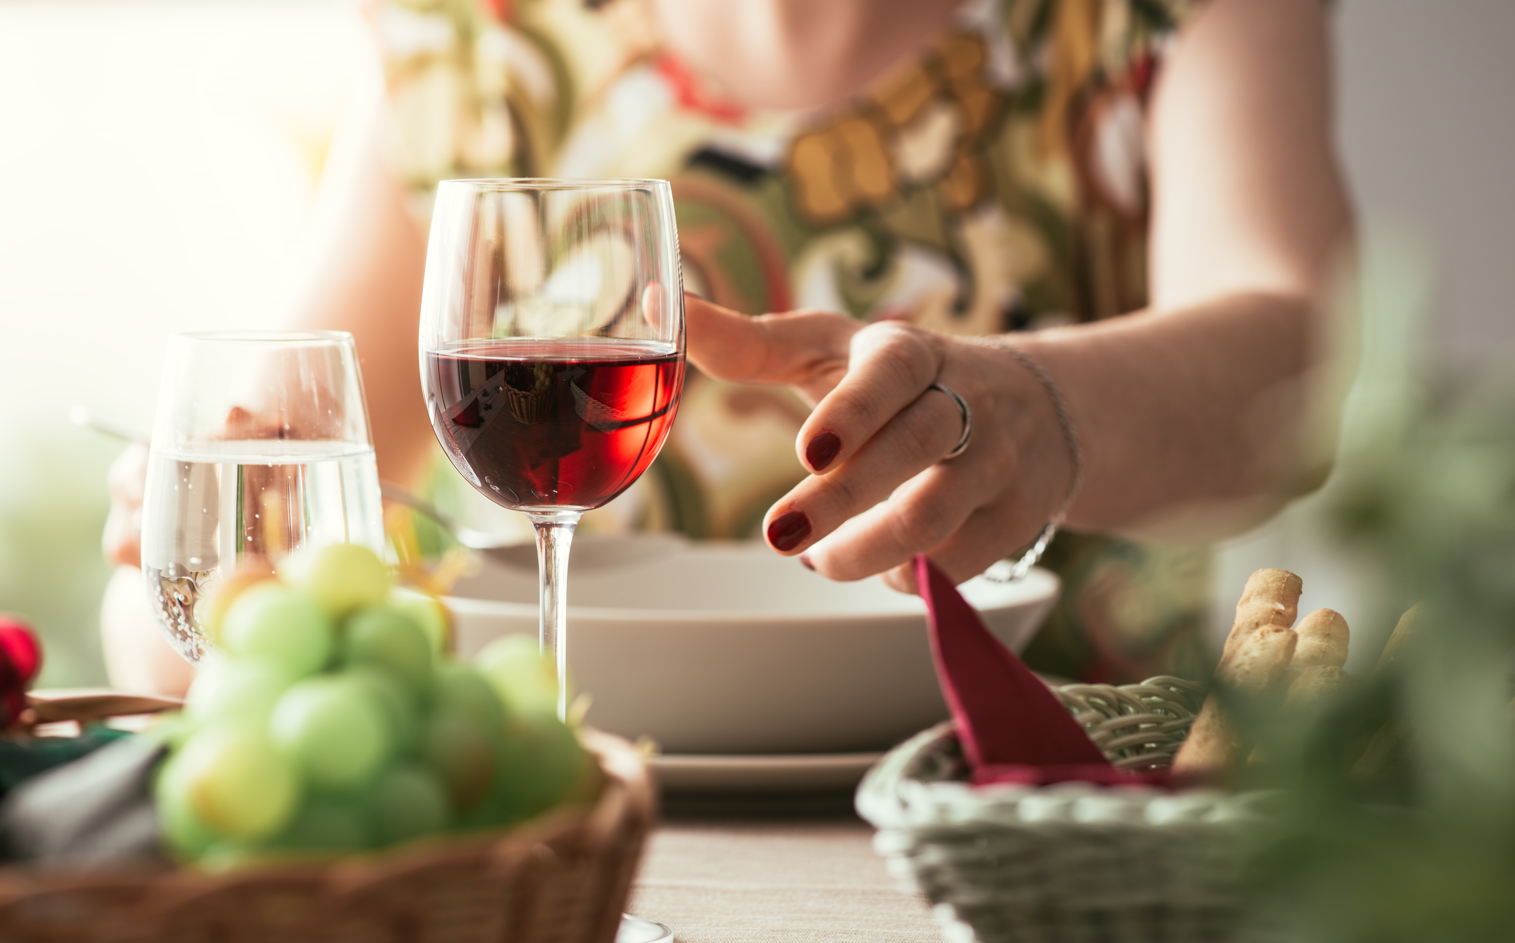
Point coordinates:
[(720, 340), (807, 349), (890, 367), (910, 443), (920, 515), (977, 545), (881, 492)]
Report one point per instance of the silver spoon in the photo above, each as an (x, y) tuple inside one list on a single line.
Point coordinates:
[(492, 546)]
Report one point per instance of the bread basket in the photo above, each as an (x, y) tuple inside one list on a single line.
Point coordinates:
[(1068, 862), (562, 878)]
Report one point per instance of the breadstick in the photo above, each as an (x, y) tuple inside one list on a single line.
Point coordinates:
[(1271, 597), (1404, 633), (1251, 667), (1387, 753), (1259, 660), (1385, 756), (1313, 684), (1256, 652), (1323, 637), (1308, 687)]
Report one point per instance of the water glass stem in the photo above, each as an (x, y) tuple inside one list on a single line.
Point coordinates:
[(554, 538)]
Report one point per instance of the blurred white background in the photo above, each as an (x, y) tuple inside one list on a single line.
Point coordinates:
[(157, 162), (158, 157)]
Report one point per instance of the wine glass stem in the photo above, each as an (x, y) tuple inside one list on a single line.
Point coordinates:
[(554, 538)]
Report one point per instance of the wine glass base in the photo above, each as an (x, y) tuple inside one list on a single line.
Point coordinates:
[(637, 930)]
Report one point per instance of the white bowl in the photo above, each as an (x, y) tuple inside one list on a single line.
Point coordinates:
[(722, 648)]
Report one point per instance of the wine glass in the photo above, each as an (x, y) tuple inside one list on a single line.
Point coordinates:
[(552, 356), (260, 448)]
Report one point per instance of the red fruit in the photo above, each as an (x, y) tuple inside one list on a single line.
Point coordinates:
[(20, 660), (19, 647)]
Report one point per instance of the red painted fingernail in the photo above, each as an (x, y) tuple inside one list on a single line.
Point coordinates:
[(822, 449), (805, 562), (789, 530)]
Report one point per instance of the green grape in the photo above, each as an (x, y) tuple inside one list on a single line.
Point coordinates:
[(525, 680), (407, 802), (463, 755), (459, 688), (249, 573), (186, 837), (235, 691), (487, 814), (327, 825), (273, 623), (396, 700), (427, 612), (588, 787), (333, 728), (235, 783), (341, 577), (384, 635), (540, 763)]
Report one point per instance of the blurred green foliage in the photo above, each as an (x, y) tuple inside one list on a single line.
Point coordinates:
[(1419, 846), (53, 503)]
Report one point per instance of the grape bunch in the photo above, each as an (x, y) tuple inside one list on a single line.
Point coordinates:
[(333, 721)]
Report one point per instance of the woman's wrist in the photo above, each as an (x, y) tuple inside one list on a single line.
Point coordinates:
[(1050, 462), (1065, 423)]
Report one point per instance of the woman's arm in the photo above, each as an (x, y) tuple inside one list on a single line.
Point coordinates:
[(1250, 229), (1195, 411), (363, 275)]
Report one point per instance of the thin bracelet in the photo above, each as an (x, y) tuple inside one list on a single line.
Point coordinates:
[(1010, 572)]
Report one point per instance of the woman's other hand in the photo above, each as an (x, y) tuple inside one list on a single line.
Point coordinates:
[(137, 655), (882, 488), (126, 480), (318, 416)]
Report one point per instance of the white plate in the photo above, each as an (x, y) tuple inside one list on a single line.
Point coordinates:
[(728, 649), (805, 772)]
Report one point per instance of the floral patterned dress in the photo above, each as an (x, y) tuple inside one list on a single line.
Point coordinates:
[(996, 181)]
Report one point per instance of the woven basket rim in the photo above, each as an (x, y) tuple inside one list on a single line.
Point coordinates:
[(894, 796), (627, 799)]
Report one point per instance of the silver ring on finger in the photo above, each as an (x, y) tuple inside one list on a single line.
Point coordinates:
[(962, 406)]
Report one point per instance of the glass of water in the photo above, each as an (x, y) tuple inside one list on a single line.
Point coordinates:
[(260, 449)]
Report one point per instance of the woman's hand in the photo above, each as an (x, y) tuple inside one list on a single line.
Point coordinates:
[(126, 480), (137, 654), (319, 415), (881, 489)]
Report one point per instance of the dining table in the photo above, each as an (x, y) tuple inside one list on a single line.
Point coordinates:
[(737, 870)]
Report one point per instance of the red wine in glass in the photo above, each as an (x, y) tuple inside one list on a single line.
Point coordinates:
[(556, 422), (552, 346)]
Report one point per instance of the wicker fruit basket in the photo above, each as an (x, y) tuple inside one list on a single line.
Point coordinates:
[(563, 878), (1069, 862)]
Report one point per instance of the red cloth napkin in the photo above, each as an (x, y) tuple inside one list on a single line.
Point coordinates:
[(1013, 729)]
